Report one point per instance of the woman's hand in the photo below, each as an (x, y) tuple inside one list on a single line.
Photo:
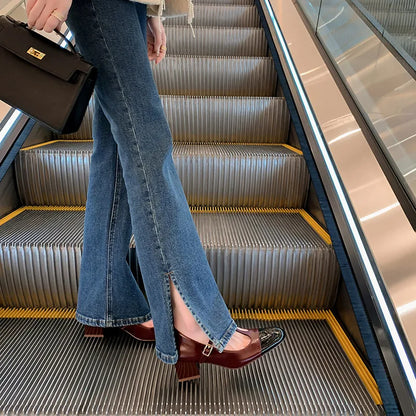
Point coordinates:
[(47, 14), (156, 39)]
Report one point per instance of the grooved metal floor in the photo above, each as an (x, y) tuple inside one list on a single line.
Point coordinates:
[(51, 369)]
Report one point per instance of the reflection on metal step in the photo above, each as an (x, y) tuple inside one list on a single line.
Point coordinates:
[(216, 41), (308, 373), (270, 259), (211, 175), (219, 15), (196, 75), (219, 119)]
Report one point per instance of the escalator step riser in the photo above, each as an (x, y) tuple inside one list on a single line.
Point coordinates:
[(397, 21), (120, 376), (225, 2), (188, 75), (408, 43), (388, 5), (258, 260), (220, 16), (216, 41), (211, 175), (217, 119)]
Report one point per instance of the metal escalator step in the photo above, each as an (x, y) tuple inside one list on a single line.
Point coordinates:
[(219, 41), (226, 2), (407, 42), (218, 119), (227, 119), (396, 21), (211, 175), (308, 374), (259, 259), (197, 75), (220, 15)]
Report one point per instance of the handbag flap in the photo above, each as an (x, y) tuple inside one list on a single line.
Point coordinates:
[(39, 51)]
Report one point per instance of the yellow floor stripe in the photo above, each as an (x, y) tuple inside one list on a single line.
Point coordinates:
[(54, 141), (262, 315)]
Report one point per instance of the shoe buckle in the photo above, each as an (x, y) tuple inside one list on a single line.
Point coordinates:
[(207, 350)]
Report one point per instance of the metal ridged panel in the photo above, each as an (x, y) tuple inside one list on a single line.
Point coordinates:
[(196, 75), (258, 260), (225, 119), (268, 260), (40, 258), (216, 41), (219, 15), (407, 42), (243, 176), (211, 175), (121, 376), (54, 174), (396, 21)]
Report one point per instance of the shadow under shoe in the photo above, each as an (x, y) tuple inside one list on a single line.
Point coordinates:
[(193, 353), (139, 332)]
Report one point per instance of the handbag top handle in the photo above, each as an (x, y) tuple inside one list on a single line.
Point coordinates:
[(71, 46)]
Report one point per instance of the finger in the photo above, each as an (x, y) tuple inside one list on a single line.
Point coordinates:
[(35, 12), (44, 17), (29, 6), (51, 23)]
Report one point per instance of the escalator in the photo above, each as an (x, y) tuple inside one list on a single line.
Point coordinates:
[(249, 190)]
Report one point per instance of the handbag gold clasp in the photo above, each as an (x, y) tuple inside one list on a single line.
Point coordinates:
[(35, 53)]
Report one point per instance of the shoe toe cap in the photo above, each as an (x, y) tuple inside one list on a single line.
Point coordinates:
[(270, 338)]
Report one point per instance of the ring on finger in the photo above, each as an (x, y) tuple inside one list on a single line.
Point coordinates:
[(58, 15), (163, 48)]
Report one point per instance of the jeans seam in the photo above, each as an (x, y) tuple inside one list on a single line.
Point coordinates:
[(113, 322), (114, 211)]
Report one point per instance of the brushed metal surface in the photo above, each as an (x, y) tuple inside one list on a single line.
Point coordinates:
[(269, 176), (56, 371), (259, 260), (227, 76), (218, 15), (219, 119), (216, 41)]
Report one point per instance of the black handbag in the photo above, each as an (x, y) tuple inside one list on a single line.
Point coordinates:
[(42, 79)]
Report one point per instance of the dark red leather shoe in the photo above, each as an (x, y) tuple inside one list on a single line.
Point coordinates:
[(93, 332), (192, 353), (140, 332)]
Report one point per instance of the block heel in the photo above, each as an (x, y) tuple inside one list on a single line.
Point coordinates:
[(186, 370), (93, 332)]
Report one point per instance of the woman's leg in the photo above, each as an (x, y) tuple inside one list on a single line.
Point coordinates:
[(106, 280), (109, 34)]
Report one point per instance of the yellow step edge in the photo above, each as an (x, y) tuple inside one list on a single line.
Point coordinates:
[(207, 210), (317, 228), (12, 215), (355, 359), (293, 149), (35, 146), (261, 315)]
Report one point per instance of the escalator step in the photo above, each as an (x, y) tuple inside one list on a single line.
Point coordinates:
[(259, 259), (55, 371), (220, 16), (226, 2), (218, 41), (196, 75), (212, 175), (217, 119)]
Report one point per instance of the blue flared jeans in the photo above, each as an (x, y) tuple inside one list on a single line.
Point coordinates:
[(134, 189)]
